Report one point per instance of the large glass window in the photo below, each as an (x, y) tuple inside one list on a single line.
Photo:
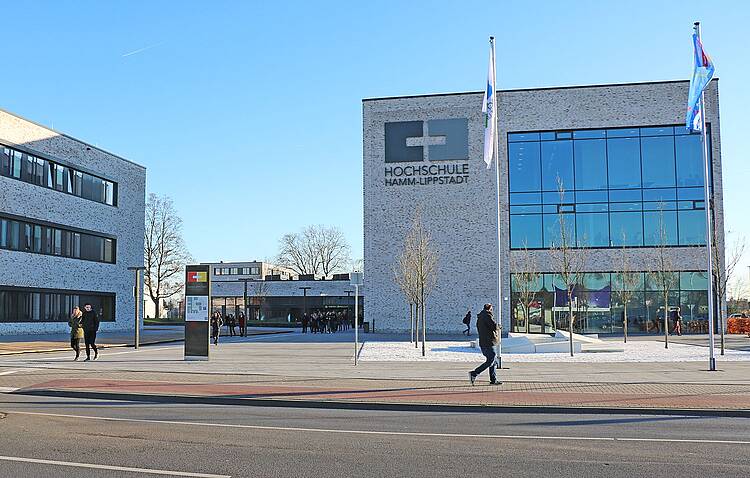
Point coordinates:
[(557, 162), (615, 182), (46, 173), (45, 305), (29, 236), (603, 301), (524, 164), (591, 164)]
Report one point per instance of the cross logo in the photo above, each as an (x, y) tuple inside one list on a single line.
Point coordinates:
[(431, 140)]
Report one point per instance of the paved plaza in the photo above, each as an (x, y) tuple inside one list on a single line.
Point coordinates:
[(294, 367)]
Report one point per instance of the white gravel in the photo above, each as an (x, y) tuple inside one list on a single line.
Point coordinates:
[(638, 351)]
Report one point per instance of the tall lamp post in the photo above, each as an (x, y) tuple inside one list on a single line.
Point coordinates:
[(304, 300), (356, 281), (137, 296), (244, 298)]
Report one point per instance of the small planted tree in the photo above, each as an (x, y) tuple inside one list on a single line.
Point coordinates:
[(569, 261), (722, 276), (663, 274), (405, 278), (629, 280), (526, 278), (423, 262)]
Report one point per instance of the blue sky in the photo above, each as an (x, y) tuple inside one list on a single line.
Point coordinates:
[(258, 106)]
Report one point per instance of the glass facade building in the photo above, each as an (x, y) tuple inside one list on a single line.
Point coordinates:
[(599, 303), (613, 187)]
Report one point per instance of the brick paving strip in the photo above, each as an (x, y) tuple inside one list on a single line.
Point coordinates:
[(597, 395)]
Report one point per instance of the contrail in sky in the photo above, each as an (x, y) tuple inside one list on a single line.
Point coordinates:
[(140, 50)]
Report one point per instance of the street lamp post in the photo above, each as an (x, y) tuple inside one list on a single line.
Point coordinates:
[(244, 298), (304, 300), (137, 296)]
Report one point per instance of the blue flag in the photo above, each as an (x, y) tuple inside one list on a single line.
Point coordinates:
[(703, 71)]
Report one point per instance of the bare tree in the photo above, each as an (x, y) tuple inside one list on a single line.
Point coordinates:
[(165, 252), (526, 278), (569, 262), (315, 250), (260, 292), (629, 280), (423, 262), (663, 273), (405, 278), (723, 275)]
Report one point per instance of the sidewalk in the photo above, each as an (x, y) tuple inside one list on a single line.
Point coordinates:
[(21, 344), (293, 370)]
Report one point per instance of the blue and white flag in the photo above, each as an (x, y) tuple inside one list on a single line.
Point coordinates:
[(703, 71), (489, 108)]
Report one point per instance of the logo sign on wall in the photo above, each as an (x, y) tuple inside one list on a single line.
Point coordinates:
[(438, 140)]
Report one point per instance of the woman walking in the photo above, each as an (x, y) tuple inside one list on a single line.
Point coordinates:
[(215, 327), (76, 330)]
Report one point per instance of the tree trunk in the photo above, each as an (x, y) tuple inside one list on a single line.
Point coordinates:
[(424, 328), (411, 321), (720, 316), (625, 322), (527, 314), (570, 324), (157, 307), (416, 323), (666, 320)]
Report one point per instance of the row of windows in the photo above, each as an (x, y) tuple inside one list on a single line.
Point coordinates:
[(599, 304), (235, 271), (28, 236), (46, 173), (612, 229), (665, 161), (41, 305)]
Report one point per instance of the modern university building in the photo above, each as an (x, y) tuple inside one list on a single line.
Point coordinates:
[(629, 170), (71, 223)]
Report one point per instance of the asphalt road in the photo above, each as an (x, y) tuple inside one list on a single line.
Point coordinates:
[(89, 438)]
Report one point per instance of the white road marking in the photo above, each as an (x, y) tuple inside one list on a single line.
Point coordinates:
[(110, 467), (101, 355), (8, 372), (389, 433)]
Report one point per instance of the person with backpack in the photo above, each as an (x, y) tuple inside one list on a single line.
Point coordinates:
[(488, 338), (467, 323)]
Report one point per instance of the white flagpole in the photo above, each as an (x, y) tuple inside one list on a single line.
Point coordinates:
[(709, 226), (499, 307)]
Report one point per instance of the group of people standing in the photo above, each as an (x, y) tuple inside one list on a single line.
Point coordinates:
[(326, 321), (84, 325), (231, 322)]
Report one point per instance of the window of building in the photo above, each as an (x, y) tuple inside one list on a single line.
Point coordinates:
[(42, 238), (46, 173), (616, 182), (45, 305)]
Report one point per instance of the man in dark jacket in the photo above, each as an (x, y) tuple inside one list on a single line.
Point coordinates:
[(90, 324), (488, 338)]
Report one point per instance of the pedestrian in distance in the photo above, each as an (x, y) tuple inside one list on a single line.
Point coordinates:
[(76, 330), (467, 323), (488, 338), (242, 321), (90, 324), (677, 321), (215, 327), (305, 321)]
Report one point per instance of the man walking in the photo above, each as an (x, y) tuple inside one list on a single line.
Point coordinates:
[(488, 338), (467, 323), (90, 324)]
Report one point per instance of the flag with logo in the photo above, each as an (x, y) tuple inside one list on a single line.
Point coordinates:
[(489, 108), (703, 71)]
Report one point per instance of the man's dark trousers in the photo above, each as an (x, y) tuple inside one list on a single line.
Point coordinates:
[(489, 354)]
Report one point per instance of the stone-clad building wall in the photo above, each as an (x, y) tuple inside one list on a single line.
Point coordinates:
[(125, 222), (462, 217)]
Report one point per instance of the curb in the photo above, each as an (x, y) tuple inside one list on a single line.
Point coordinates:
[(111, 346), (377, 406)]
